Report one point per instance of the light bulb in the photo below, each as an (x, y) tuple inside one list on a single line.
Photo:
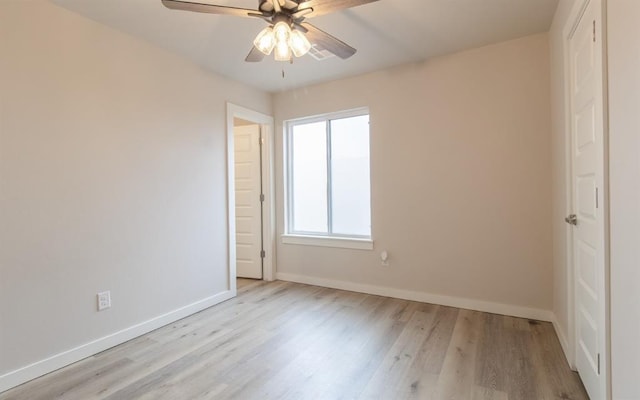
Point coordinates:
[(282, 31), (265, 41), (299, 43), (283, 51)]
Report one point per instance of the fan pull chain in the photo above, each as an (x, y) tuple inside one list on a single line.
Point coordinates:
[(290, 62)]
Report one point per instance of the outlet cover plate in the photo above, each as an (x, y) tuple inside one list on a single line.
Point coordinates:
[(104, 300)]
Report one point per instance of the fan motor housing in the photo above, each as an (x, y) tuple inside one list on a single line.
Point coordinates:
[(267, 5)]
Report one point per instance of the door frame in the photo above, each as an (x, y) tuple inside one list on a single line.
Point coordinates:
[(267, 128), (575, 16)]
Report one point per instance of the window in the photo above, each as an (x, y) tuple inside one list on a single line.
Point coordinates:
[(328, 185)]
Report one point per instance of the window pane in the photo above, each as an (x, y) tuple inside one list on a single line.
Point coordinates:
[(309, 177), (350, 192)]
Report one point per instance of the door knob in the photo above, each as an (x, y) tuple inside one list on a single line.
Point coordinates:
[(571, 219)]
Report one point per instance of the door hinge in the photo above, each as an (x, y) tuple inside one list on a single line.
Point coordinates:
[(261, 197), (598, 363), (263, 255), (597, 202), (594, 31)]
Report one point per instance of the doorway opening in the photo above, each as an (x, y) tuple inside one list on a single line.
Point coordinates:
[(251, 215)]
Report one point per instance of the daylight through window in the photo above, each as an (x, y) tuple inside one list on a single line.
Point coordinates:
[(328, 188)]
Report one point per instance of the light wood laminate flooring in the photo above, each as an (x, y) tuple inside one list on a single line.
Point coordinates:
[(283, 340)]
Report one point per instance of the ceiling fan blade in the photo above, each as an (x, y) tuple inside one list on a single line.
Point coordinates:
[(254, 55), (328, 42), (290, 4), (208, 8), (276, 6), (299, 15), (322, 7)]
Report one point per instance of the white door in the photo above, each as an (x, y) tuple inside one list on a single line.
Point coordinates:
[(587, 146), (248, 204)]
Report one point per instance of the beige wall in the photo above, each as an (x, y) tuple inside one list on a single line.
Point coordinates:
[(112, 177), (560, 178), (624, 156), (460, 167)]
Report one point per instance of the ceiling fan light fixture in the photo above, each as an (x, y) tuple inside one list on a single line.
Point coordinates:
[(288, 32), (299, 43), (265, 41), (284, 40)]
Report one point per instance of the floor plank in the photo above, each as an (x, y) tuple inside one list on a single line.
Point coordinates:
[(281, 340), (457, 377)]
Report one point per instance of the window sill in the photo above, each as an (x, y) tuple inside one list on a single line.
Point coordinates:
[(326, 241)]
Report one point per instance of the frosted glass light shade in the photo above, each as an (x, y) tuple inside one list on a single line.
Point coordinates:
[(265, 41), (281, 30), (283, 51), (299, 43)]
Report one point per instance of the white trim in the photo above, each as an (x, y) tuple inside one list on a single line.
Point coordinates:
[(269, 206), (328, 241), (353, 112), (50, 364), (564, 342), (268, 222), (450, 301)]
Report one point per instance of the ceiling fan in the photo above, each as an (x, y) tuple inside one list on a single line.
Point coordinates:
[(288, 34)]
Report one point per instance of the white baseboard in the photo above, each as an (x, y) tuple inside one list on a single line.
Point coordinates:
[(459, 302), (562, 336), (39, 368)]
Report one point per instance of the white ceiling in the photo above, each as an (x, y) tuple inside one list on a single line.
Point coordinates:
[(386, 33)]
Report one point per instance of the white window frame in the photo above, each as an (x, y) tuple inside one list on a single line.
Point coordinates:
[(330, 239)]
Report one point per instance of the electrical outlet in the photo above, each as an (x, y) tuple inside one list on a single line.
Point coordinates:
[(104, 300), (384, 258)]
